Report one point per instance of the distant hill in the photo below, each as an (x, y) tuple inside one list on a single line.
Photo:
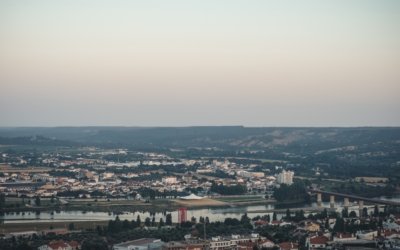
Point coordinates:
[(338, 152), (34, 141), (316, 140)]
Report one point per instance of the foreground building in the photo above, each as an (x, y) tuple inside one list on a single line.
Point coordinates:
[(232, 242), (140, 244), (60, 245)]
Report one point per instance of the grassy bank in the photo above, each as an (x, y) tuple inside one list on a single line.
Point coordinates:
[(41, 226), (122, 205)]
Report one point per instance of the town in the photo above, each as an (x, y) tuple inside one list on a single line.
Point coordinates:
[(122, 183), (92, 173), (199, 125)]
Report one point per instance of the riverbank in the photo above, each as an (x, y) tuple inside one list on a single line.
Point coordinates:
[(123, 205), (43, 226)]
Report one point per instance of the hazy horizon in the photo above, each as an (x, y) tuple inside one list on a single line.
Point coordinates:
[(178, 63)]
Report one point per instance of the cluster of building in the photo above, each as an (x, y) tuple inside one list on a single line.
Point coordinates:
[(93, 171), (372, 239), (233, 242), (314, 231)]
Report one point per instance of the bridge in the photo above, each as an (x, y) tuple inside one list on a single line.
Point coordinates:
[(347, 197)]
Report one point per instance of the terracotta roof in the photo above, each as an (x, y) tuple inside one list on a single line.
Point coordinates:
[(319, 240), (288, 245), (57, 244), (390, 233), (74, 244), (246, 245), (265, 241), (261, 222), (344, 235)]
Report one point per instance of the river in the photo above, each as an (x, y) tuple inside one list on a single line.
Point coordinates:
[(214, 214)]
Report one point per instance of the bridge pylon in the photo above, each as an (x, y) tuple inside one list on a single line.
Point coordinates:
[(360, 208), (319, 199), (332, 201), (346, 203)]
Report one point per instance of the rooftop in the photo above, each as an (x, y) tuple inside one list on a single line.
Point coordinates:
[(138, 242)]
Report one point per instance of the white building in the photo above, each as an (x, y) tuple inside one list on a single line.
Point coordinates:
[(43, 178), (391, 224), (285, 177), (169, 180), (243, 173), (108, 175), (340, 237), (140, 244), (231, 242), (257, 174), (367, 235)]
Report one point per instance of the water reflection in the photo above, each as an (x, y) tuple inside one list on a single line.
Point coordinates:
[(214, 214)]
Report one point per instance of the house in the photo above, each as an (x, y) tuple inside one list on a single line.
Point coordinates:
[(390, 234), (174, 245), (367, 235), (288, 246), (232, 242), (74, 245), (219, 243), (184, 245), (276, 223), (245, 246), (391, 223), (260, 222), (266, 244), (317, 242), (140, 244), (60, 245), (340, 237), (312, 227)]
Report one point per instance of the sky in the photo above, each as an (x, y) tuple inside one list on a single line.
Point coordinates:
[(189, 63)]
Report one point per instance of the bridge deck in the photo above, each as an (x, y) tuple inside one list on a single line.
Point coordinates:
[(355, 197)]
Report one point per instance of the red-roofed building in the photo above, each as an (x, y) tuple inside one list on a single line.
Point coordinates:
[(317, 242), (288, 246), (245, 245), (344, 237), (74, 245), (276, 222), (60, 245), (390, 234), (261, 223), (266, 244)]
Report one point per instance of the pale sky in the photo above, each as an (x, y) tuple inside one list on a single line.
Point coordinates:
[(184, 63)]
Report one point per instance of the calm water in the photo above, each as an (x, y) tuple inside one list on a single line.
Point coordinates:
[(67, 216), (214, 214)]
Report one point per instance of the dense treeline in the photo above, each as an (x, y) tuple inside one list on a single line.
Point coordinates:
[(228, 190), (153, 194), (146, 193), (364, 190), (295, 193)]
